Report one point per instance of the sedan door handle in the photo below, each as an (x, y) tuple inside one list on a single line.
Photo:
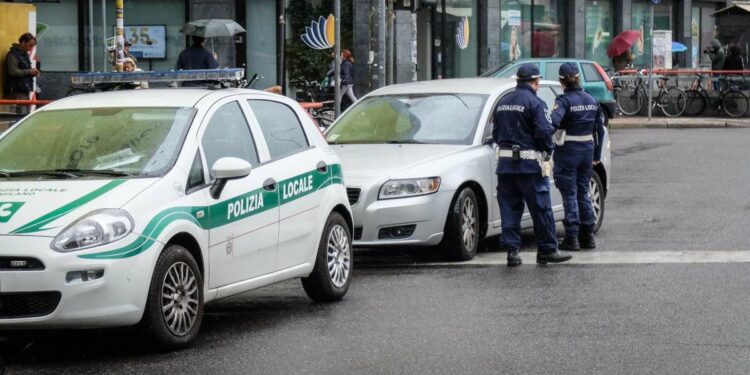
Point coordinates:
[(270, 184), (322, 167)]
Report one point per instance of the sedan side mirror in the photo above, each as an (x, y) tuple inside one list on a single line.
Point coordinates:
[(226, 169)]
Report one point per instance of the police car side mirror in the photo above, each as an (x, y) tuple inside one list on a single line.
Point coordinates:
[(488, 141), (226, 169)]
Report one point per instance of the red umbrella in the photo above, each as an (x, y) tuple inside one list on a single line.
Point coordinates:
[(622, 42)]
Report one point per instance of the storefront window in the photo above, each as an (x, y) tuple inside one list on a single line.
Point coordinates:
[(57, 35), (641, 21), (547, 37), (695, 22), (460, 30), (515, 29), (707, 33), (599, 30), (169, 13), (261, 40)]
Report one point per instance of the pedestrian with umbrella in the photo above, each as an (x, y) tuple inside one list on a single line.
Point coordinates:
[(197, 56), (619, 49)]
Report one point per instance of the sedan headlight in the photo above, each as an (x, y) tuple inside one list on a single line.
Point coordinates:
[(96, 228), (409, 188)]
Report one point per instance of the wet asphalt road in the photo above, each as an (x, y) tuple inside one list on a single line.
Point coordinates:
[(672, 190)]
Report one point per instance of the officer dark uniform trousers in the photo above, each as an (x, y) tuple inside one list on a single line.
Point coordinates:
[(579, 115), (521, 122)]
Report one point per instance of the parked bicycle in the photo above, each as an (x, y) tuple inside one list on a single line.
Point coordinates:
[(730, 99), (633, 95), (312, 92)]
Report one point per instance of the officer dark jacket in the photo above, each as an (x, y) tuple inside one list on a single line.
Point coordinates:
[(578, 113), (521, 119), (18, 68)]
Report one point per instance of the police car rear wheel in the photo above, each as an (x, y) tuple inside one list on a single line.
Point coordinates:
[(331, 275), (461, 234), (174, 308), (597, 200)]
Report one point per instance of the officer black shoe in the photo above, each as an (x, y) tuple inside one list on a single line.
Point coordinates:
[(586, 238), (514, 259), (552, 256), (570, 244)]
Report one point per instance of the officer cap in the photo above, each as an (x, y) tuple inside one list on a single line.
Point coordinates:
[(528, 72), (568, 70)]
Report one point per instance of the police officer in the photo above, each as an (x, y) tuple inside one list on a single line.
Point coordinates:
[(523, 133), (579, 124)]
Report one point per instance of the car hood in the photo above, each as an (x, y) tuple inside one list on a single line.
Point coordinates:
[(372, 161), (44, 207)]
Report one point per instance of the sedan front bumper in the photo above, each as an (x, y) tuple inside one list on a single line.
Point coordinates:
[(427, 213)]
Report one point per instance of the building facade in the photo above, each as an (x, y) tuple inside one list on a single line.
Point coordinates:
[(393, 41)]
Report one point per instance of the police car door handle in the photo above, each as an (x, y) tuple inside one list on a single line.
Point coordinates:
[(270, 184), (322, 167)]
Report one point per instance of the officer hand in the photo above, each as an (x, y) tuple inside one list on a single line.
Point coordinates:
[(597, 162), (34, 72)]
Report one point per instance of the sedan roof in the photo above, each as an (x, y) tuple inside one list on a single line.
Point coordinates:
[(485, 86)]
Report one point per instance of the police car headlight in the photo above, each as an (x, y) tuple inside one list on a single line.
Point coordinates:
[(96, 228), (409, 188)]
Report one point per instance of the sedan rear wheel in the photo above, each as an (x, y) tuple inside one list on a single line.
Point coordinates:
[(461, 234), (596, 193)]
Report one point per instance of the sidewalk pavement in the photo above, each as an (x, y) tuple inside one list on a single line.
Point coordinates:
[(633, 122)]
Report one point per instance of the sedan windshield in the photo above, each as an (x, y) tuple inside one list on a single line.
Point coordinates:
[(95, 142), (433, 118)]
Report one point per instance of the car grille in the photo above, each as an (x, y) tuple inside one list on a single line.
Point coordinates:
[(353, 194), (20, 264), (28, 305)]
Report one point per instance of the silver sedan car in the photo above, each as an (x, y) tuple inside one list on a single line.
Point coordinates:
[(419, 164)]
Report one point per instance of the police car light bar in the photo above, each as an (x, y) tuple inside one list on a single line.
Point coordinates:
[(233, 74)]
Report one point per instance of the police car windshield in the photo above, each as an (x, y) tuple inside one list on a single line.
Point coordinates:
[(424, 118), (141, 142)]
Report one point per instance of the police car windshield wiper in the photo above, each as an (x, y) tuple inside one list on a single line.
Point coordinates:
[(97, 172), (67, 173), (405, 141)]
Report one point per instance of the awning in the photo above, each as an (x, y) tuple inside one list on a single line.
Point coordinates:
[(739, 6)]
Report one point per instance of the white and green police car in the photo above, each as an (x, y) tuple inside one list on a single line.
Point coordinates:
[(131, 207)]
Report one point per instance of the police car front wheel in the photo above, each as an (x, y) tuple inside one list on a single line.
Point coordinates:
[(174, 308)]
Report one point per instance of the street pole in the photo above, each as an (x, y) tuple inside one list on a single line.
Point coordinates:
[(391, 64), (651, 71), (105, 61), (337, 51), (120, 33), (91, 35), (381, 44)]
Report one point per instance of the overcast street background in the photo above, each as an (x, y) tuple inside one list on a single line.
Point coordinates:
[(672, 190)]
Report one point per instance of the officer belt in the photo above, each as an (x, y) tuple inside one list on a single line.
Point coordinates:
[(579, 138), (525, 154)]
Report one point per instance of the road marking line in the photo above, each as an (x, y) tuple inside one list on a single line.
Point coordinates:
[(611, 257)]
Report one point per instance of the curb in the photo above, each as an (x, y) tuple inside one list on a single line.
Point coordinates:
[(679, 124)]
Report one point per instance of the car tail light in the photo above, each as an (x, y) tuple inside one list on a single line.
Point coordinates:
[(605, 77)]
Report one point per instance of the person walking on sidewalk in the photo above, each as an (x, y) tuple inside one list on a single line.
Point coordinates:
[(717, 55), (19, 72), (347, 78), (579, 124), (523, 132)]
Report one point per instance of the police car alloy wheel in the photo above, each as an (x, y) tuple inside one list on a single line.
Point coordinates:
[(331, 276), (461, 234), (597, 200), (174, 309)]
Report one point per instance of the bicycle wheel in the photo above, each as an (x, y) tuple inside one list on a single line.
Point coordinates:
[(325, 117), (696, 103), (673, 102), (734, 103), (629, 100)]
